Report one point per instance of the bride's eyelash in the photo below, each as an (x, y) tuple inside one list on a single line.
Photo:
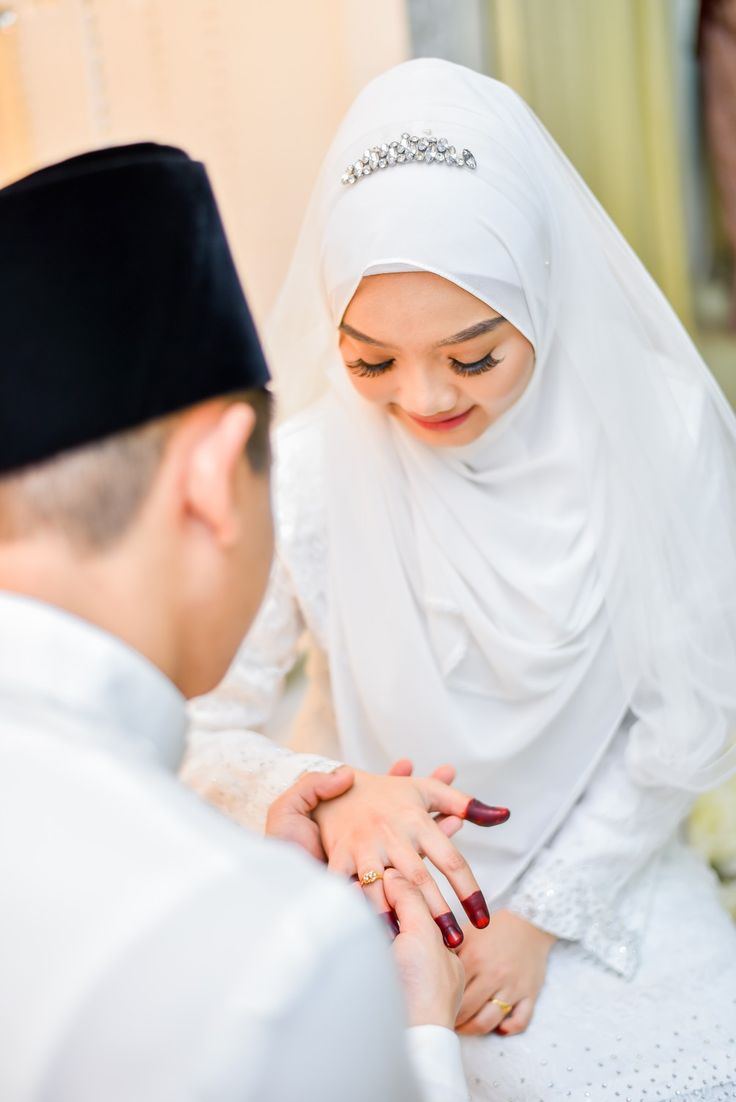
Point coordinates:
[(367, 370), (478, 367)]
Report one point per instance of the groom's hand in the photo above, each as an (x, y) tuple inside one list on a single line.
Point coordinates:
[(290, 817), (387, 821), (432, 979)]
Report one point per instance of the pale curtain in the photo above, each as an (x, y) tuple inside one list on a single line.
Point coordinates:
[(600, 74)]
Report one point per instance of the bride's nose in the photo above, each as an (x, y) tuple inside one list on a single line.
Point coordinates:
[(427, 391)]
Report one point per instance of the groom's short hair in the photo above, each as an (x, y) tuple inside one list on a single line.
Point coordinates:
[(92, 494)]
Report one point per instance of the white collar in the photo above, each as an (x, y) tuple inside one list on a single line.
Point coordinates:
[(55, 663)]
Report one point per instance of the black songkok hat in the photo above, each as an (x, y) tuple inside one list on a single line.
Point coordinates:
[(119, 300)]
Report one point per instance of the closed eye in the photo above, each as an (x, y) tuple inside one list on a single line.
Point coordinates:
[(367, 370), (478, 367)]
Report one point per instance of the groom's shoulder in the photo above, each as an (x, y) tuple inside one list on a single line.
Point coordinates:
[(273, 877), (285, 878), (287, 899)]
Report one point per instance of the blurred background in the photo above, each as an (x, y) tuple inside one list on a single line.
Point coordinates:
[(641, 95)]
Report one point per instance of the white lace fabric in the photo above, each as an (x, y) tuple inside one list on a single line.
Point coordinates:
[(592, 882), (555, 897), (667, 1033)]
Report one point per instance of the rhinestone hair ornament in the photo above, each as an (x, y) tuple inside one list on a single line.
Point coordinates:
[(408, 148)]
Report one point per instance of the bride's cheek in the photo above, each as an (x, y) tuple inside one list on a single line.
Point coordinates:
[(509, 387)]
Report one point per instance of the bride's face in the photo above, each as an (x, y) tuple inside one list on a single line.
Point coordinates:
[(433, 356)]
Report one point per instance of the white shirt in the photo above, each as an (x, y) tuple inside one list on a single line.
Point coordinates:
[(149, 949)]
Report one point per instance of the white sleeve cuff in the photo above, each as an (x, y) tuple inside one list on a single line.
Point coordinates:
[(242, 772), (435, 1055)]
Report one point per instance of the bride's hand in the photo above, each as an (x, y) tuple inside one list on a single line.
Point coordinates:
[(387, 821), (506, 962)]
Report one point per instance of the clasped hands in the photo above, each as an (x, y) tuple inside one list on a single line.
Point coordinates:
[(360, 823)]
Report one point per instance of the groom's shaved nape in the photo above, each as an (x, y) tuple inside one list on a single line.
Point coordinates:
[(92, 494)]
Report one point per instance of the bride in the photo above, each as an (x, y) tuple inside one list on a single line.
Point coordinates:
[(507, 519)]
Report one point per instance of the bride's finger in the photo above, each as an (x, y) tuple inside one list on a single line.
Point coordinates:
[(475, 996), (389, 915), (488, 1018), (443, 797), (449, 824), (404, 768), (413, 869), (401, 768), (451, 863), (519, 1018), (370, 878), (341, 862)]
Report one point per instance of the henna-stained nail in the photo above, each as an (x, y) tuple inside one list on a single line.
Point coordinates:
[(451, 932), (484, 815), (476, 909), (391, 920)]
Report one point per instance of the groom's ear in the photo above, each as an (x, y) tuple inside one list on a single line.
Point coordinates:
[(215, 469)]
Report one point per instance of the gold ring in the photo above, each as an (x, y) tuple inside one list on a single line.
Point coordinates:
[(370, 877), (505, 1007)]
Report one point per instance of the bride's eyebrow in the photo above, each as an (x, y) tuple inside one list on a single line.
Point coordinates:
[(477, 330), (472, 331), (357, 336)]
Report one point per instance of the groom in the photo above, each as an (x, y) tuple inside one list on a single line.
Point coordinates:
[(150, 950)]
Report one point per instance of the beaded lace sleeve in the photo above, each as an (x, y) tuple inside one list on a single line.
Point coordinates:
[(228, 762), (589, 884)]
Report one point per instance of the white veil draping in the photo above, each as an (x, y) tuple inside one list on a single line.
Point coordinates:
[(505, 606)]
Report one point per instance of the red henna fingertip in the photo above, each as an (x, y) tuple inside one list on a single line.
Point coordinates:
[(451, 932), (484, 815), (476, 909)]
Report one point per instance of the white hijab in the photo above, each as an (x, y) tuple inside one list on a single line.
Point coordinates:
[(504, 606)]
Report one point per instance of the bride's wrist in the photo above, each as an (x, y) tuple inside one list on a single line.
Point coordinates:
[(544, 937)]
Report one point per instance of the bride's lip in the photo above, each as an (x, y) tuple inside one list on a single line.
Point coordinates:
[(442, 424)]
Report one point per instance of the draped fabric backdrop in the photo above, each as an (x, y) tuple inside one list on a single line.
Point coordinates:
[(254, 89)]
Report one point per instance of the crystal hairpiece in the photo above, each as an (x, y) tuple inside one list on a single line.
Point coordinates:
[(408, 148)]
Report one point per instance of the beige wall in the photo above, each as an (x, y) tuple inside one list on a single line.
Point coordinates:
[(254, 88)]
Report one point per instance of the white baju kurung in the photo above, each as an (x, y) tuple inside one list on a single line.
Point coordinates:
[(149, 949), (640, 997)]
